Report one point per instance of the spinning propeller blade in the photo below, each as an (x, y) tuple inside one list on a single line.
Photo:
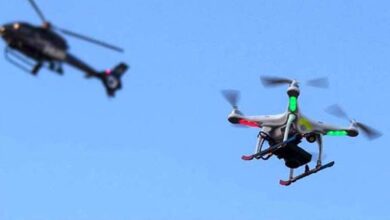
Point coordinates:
[(319, 82), (38, 11), (367, 131), (271, 81), (232, 96), (47, 25), (89, 39), (337, 111)]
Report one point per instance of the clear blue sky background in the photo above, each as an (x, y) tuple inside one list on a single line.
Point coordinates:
[(163, 149)]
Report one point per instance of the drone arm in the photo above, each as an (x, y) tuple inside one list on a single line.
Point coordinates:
[(236, 117), (290, 120), (331, 130), (319, 142)]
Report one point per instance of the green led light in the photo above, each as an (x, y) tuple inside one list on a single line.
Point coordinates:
[(293, 104), (337, 133)]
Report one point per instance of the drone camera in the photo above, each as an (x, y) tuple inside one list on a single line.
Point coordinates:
[(311, 138)]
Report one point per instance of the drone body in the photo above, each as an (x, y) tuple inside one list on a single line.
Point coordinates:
[(42, 45), (285, 131)]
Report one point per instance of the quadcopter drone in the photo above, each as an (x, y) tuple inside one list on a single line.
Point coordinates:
[(29, 47), (285, 131)]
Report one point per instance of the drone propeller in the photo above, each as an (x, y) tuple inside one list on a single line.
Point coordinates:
[(271, 81), (322, 82), (337, 111), (368, 131), (232, 96), (48, 25)]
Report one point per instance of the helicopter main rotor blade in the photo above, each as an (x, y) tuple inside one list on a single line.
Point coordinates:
[(232, 96), (38, 11), (91, 40), (271, 81), (319, 82), (368, 131)]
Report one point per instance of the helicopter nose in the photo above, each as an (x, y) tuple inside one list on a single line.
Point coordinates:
[(2, 30)]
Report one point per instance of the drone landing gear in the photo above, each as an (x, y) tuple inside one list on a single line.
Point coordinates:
[(272, 149), (307, 172)]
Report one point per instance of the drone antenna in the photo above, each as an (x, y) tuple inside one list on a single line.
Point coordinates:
[(38, 11)]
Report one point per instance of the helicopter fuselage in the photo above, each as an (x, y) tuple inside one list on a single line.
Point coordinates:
[(41, 44), (38, 43)]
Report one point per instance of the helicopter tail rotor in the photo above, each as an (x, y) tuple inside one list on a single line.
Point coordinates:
[(112, 78), (369, 132), (271, 81)]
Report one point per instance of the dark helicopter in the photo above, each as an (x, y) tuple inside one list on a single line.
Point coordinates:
[(32, 47)]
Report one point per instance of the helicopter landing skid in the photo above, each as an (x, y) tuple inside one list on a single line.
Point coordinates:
[(271, 149), (305, 174), (18, 60), (29, 65)]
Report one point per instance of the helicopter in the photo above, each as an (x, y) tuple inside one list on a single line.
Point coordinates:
[(285, 131), (32, 47)]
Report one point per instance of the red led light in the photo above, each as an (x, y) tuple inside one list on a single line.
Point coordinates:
[(107, 72), (248, 123)]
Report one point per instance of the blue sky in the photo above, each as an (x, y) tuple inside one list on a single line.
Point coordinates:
[(163, 149)]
